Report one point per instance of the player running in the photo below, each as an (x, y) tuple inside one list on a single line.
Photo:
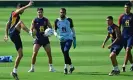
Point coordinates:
[(126, 21), (13, 28), (39, 25), (64, 30), (116, 45)]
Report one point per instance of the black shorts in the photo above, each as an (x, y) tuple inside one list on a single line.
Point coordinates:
[(15, 38), (43, 41)]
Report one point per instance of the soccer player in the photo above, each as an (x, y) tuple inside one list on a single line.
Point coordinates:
[(126, 22), (64, 30), (13, 28), (116, 45), (38, 26)]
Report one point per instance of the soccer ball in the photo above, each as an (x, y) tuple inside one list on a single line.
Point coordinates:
[(48, 32)]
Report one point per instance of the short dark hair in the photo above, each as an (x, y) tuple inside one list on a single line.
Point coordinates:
[(110, 17), (129, 4), (19, 5), (39, 9), (64, 9)]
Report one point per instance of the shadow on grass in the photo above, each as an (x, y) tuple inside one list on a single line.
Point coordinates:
[(126, 75), (98, 73), (90, 73), (7, 78)]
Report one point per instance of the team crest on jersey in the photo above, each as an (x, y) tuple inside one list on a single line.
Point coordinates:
[(44, 22), (123, 18)]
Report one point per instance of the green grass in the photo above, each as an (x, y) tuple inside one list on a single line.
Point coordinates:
[(90, 60)]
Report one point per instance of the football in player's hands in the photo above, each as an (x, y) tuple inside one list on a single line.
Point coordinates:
[(49, 32)]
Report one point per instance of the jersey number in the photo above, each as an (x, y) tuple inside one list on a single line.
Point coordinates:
[(127, 23), (41, 29), (63, 29), (111, 35)]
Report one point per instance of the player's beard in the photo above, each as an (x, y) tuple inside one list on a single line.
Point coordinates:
[(62, 16)]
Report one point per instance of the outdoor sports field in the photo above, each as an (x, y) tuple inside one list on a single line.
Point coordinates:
[(90, 60)]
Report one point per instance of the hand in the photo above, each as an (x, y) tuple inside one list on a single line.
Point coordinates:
[(6, 38), (55, 33), (32, 34), (61, 38), (45, 35), (103, 45), (109, 46), (30, 3), (74, 42)]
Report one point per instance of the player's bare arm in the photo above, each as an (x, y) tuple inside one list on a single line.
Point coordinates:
[(6, 31), (55, 28), (23, 8), (118, 35), (119, 21), (106, 39), (32, 29), (24, 27), (32, 26), (49, 24)]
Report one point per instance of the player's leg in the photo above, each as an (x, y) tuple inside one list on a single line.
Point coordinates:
[(113, 56), (67, 47), (36, 48), (20, 25), (129, 47), (47, 48), (62, 44), (18, 44), (17, 61), (128, 55), (126, 58)]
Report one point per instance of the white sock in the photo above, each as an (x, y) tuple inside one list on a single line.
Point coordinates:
[(15, 70), (116, 68), (32, 66), (50, 65), (65, 66), (71, 66), (132, 65), (124, 65)]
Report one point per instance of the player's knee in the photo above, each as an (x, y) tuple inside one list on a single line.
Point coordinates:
[(20, 55), (35, 53), (128, 50), (48, 51), (20, 22), (112, 55)]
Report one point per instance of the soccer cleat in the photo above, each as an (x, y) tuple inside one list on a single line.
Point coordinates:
[(15, 76), (113, 72), (71, 70), (131, 69), (123, 69), (31, 70), (52, 70), (65, 71)]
